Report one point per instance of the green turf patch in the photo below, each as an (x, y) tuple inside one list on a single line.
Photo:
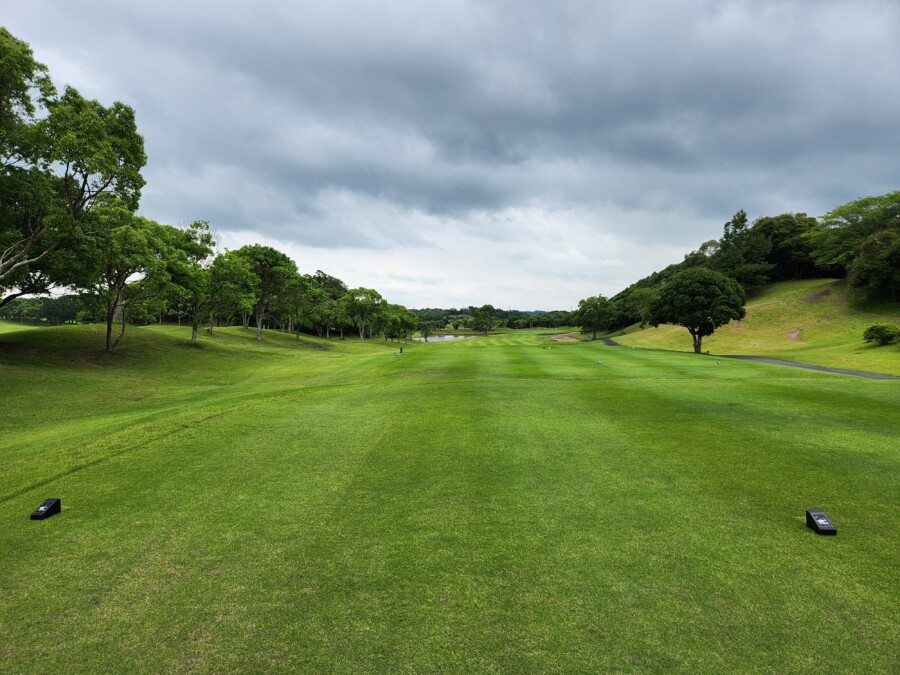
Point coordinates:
[(487, 504)]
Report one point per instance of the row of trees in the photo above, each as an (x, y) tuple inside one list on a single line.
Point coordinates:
[(859, 240), (70, 185), (465, 319)]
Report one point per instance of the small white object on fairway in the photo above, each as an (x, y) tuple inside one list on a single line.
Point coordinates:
[(600, 362)]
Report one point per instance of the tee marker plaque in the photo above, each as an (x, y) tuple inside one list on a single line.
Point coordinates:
[(819, 522), (49, 507)]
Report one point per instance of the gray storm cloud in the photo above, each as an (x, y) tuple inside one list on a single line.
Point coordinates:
[(409, 125)]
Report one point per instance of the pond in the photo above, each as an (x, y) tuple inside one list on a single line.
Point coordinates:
[(443, 338)]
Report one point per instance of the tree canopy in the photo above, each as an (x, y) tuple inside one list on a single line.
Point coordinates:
[(701, 300)]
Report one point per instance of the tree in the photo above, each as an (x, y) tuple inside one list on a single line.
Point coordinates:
[(593, 314), (742, 253), (273, 269), (232, 287), (484, 318), (790, 253), (642, 299), (54, 166), (425, 330), (877, 267), (128, 257), (701, 300), (842, 232), (362, 304), (882, 334), (333, 287), (189, 271)]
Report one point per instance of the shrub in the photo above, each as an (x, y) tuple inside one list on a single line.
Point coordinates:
[(883, 335)]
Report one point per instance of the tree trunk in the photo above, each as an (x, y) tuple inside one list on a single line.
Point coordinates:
[(698, 342), (195, 324), (113, 308)]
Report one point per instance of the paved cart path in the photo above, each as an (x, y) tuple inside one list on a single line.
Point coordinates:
[(824, 369), (792, 364)]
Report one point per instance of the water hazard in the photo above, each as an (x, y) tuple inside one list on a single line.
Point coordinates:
[(443, 338)]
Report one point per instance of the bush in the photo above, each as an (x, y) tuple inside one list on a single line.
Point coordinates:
[(883, 335)]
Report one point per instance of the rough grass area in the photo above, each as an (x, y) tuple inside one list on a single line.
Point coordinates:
[(813, 321), (503, 503)]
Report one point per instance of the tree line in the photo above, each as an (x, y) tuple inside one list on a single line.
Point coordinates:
[(859, 241), (488, 317), (70, 186)]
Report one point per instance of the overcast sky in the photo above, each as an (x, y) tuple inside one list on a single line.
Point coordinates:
[(524, 154)]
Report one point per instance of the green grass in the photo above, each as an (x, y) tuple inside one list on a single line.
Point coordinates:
[(488, 504), (11, 327), (813, 321)]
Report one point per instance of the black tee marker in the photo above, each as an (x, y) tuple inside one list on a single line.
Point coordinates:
[(819, 522), (49, 507)]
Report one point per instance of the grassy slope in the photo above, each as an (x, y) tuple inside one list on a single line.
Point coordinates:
[(812, 321), (12, 327), (487, 504)]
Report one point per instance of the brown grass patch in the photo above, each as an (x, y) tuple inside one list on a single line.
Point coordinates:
[(816, 296)]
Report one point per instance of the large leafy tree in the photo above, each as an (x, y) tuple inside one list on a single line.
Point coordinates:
[(362, 305), (126, 257), (189, 270), (701, 300), (232, 287), (593, 314), (58, 155), (483, 319), (273, 269)]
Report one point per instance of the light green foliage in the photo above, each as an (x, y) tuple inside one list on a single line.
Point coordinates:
[(472, 506), (53, 167), (699, 299)]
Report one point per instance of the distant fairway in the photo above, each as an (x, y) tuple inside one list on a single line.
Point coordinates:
[(487, 504), (811, 321)]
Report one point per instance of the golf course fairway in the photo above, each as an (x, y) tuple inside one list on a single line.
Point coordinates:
[(496, 504)]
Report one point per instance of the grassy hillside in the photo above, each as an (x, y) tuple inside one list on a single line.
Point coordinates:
[(811, 321), (502, 503)]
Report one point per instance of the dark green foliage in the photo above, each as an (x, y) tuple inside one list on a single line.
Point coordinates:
[(883, 335), (861, 238), (877, 267), (742, 253), (593, 314), (484, 318), (791, 252), (701, 300), (273, 269)]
